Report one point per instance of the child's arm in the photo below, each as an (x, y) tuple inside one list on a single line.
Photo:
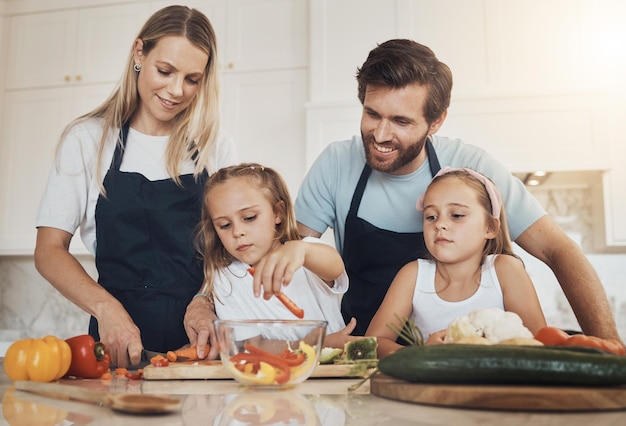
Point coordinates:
[(398, 302), (277, 268), (519, 292)]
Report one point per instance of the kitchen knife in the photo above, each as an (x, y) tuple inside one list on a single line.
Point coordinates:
[(147, 355)]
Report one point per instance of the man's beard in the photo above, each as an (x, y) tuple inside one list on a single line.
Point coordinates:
[(403, 157)]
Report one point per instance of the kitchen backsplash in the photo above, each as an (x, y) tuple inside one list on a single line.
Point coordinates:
[(30, 307)]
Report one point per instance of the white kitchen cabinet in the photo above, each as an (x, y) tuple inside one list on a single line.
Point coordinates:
[(265, 35), (66, 47), (264, 113), (31, 129), (257, 35)]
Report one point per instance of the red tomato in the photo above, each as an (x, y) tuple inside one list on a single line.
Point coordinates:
[(551, 336), (607, 345)]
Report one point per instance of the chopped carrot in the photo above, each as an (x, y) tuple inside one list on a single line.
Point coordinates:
[(120, 371), (185, 354), (159, 361), (106, 376)]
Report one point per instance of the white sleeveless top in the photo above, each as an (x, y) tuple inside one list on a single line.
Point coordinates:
[(431, 313)]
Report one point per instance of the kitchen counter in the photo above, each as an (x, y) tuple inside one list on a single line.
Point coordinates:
[(224, 402)]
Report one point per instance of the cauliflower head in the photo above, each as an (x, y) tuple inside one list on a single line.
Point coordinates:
[(460, 328), (493, 324), (508, 326)]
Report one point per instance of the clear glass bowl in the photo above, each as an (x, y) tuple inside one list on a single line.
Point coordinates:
[(270, 353)]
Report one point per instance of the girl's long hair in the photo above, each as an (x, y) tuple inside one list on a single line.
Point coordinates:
[(267, 181), (196, 127)]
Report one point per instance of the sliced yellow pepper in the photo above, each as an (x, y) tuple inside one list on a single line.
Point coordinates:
[(308, 363), (265, 375)]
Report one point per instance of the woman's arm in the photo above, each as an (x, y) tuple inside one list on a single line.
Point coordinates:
[(55, 263), (398, 302), (519, 292)]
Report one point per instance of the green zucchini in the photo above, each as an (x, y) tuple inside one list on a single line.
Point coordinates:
[(485, 364)]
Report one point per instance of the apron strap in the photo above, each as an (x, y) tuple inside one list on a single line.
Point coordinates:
[(433, 161), (116, 162), (360, 189)]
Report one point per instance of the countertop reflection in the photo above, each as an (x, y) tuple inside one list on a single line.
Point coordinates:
[(226, 403)]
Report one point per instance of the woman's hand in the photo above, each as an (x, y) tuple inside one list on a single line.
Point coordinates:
[(198, 324), (120, 335)]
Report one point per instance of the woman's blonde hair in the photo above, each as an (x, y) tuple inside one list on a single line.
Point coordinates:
[(267, 181), (196, 127), (501, 244)]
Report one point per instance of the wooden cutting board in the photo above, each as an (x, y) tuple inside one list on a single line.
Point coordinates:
[(215, 370), (501, 397)]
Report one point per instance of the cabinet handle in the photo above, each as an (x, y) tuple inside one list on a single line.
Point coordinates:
[(231, 65), (79, 77), (67, 78)]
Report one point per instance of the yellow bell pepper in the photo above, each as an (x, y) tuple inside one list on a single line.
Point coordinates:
[(39, 360), (265, 375), (307, 365)]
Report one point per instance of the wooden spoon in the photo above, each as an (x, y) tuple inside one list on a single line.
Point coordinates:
[(125, 402)]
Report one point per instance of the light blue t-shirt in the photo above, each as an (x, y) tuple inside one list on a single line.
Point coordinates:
[(324, 197)]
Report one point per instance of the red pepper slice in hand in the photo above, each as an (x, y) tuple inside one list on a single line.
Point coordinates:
[(289, 304), (90, 359)]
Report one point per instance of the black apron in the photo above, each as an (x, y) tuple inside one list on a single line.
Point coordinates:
[(145, 254), (373, 256)]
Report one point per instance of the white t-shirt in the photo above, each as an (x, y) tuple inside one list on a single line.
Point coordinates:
[(234, 297), (70, 197)]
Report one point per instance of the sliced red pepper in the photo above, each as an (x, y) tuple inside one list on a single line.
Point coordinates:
[(134, 376), (294, 358), (289, 304), (90, 359), (291, 358)]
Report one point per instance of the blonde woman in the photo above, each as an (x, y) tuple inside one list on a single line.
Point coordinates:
[(130, 174)]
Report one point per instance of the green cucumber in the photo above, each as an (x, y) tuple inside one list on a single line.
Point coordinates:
[(484, 364)]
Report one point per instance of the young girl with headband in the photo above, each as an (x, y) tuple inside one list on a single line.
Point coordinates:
[(248, 221), (471, 264)]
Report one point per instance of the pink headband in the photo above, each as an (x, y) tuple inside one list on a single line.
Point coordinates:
[(492, 191)]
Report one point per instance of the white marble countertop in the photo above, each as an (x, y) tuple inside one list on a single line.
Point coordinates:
[(224, 402)]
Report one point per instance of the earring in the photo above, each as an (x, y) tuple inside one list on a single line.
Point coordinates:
[(137, 67)]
